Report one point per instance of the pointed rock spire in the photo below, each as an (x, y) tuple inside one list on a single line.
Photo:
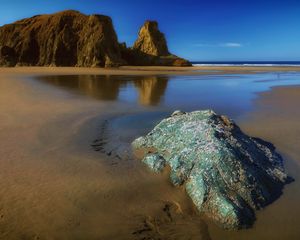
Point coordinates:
[(151, 41)]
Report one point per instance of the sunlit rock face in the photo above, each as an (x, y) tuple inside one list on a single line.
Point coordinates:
[(70, 38), (151, 41), (67, 38), (151, 48), (226, 173)]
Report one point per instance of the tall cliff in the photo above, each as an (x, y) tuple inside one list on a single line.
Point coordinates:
[(66, 38), (70, 38)]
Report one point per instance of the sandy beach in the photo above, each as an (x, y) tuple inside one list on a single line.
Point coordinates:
[(143, 70), (55, 186), (162, 120)]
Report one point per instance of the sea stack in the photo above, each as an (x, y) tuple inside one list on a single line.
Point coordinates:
[(151, 41), (151, 48), (227, 174)]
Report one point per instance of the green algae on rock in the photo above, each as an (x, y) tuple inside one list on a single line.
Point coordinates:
[(227, 174)]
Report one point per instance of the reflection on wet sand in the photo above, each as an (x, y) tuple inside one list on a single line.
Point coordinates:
[(150, 88), (53, 186)]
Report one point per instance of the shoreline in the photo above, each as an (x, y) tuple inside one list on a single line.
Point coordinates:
[(148, 70)]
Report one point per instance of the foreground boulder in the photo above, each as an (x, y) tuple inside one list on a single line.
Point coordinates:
[(226, 173), (151, 49), (70, 38)]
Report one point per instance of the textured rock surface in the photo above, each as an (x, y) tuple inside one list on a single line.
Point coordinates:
[(226, 173), (70, 38), (151, 41), (66, 38), (151, 49), (8, 57)]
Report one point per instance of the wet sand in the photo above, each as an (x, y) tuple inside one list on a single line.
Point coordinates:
[(128, 70), (54, 186)]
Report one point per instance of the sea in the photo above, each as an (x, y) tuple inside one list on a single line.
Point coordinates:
[(247, 63)]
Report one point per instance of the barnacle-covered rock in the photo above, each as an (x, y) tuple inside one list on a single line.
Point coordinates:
[(226, 173)]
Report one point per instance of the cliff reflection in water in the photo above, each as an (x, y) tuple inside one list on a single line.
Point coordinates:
[(150, 89)]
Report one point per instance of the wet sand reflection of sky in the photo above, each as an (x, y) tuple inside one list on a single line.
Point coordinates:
[(228, 94)]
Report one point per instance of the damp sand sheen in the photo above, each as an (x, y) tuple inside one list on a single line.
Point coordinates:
[(55, 185)]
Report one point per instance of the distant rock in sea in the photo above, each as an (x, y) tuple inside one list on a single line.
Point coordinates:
[(227, 174), (70, 38)]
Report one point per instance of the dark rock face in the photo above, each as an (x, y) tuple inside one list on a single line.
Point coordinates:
[(70, 38), (67, 38), (151, 49), (8, 57), (227, 174)]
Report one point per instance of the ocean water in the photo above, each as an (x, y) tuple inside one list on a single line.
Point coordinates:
[(247, 63)]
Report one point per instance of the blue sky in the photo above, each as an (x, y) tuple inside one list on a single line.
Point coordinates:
[(210, 30)]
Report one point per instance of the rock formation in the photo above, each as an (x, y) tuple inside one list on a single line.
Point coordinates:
[(70, 38), (151, 49), (8, 57), (227, 174), (151, 41), (67, 38)]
